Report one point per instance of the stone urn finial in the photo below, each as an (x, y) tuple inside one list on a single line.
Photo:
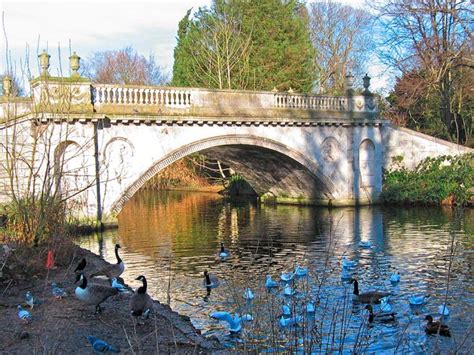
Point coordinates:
[(290, 90), (275, 89), (366, 80), (75, 64), (349, 82), (7, 85), (44, 62)]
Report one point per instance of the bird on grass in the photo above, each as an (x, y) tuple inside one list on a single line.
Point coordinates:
[(57, 291), (301, 271), (366, 297), (113, 270), (101, 346), (141, 303), (32, 300), (291, 321), (287, 276), (24, 315), (380, 317), (93, 294), (435, 327)]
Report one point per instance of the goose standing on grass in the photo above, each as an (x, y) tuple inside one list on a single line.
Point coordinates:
[(381, 317), (141, 303), (436, 327), (223, 254), (113, 270), (210, 280), (93, 294), (367, 297), (81, 266)]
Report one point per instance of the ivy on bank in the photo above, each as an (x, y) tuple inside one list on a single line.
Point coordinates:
[(444, 180)]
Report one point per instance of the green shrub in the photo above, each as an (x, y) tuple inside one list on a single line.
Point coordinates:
[(435, 181)]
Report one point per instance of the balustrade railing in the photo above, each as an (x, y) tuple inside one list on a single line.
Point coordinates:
[(323, 103), (124, 95)]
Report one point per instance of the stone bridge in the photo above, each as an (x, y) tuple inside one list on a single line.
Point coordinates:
[(99, 144)]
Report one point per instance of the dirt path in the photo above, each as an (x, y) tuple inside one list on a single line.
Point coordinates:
[(62, 325)]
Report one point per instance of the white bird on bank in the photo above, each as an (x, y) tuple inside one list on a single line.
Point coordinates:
[(270, 283), (235, 323), (301, 271), (287, 276), (288, 322), (248, 294)]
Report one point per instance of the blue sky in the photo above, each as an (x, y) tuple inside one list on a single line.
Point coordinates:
[(148, 26)]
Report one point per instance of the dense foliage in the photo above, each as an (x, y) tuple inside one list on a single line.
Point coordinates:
[(435, 181), (240, 44)]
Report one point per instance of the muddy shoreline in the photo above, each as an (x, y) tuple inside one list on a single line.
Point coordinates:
[(62, 325)]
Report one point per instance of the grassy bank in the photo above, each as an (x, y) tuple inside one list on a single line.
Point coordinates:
[(445, 180)]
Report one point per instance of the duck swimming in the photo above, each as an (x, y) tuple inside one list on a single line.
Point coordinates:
[(381, 317), (113, 270), (435, 327), (367, 297)]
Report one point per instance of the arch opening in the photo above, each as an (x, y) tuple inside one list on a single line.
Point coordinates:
[(271, 168)]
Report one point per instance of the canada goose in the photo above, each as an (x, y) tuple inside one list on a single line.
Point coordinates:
[(367, 297), (141, 303), (210, 280), (235, 323), (23, 314), (269, 283), (80, 267), (113, 270), (101, 346), (436, 327), (347, 263), (381, 317), (223, 254), (93, 293)]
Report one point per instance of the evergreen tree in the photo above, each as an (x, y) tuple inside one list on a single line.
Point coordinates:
[(241, 44)]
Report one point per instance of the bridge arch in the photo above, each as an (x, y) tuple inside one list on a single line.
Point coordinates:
[(308, 164)]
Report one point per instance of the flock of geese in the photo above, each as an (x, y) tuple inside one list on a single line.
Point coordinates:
[(384, 312), (94, 291)]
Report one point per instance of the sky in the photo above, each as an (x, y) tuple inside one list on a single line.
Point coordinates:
[(62, 26)]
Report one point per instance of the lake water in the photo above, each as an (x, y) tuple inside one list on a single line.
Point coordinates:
[(173, 237)]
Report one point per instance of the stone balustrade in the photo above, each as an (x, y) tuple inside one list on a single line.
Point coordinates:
[(308, 102)]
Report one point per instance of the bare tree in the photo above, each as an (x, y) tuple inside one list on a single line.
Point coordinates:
[(342, 37), (434, 39), (125, 66)]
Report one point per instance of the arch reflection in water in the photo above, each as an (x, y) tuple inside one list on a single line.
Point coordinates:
[(173, 237)]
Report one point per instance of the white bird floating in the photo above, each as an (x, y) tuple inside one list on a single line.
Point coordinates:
[(384, 305), (23, 314), (301, 271), (443, 310), (288, 291), (248, 294), (286, 310), (347, 263), (395, 278), (417, 300), (270, 283), (287, 276), (235, 323), (289, 322), (346, 274), (365, 244)]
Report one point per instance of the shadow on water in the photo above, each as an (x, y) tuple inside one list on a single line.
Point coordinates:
[(172, 237)]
